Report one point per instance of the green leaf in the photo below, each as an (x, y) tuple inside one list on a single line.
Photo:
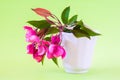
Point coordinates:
[(52, 30), (89, 31), (39, 24), (65, 15), (47, 38), (55, 61), (79, 33), (80, 23), (43, 60), (73, 19), (67, 30)]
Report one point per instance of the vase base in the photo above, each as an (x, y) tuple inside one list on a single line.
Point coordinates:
[(76, 71)]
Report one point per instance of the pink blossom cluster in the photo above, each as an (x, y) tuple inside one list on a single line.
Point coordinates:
[(39, 48)]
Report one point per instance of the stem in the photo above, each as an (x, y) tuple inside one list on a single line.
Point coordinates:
[(53, 16), (49, 21)]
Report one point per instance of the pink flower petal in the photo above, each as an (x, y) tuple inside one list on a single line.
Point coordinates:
[(59, 51), (49, 56), (37, 57), (46, 43), (27, 28), (41, 50), (64, 53), (55, 39), (30, 30), (30, 49), (31, 34), (55, 51), (33, 38)]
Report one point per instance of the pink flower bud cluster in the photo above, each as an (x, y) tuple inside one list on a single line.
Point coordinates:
[(39, 48)]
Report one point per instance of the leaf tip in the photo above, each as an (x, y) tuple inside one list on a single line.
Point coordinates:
[(68, 7), (32, 9)]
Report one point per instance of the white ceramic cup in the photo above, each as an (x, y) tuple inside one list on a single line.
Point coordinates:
[(79, 52)]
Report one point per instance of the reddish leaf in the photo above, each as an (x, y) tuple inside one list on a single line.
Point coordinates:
[(42, 12)]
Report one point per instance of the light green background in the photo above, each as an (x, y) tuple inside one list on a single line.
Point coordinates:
[(15, 64)]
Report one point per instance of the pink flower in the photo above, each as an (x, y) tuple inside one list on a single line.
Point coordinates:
[(55, 39), (55, 51), (41, 50), (45, 43), (38, 57), (38, 54), (31, 49), (31, 34)]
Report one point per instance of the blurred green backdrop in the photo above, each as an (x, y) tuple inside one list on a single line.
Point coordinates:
[(15, 64)]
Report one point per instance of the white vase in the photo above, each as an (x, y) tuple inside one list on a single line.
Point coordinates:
[(79, 52)]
